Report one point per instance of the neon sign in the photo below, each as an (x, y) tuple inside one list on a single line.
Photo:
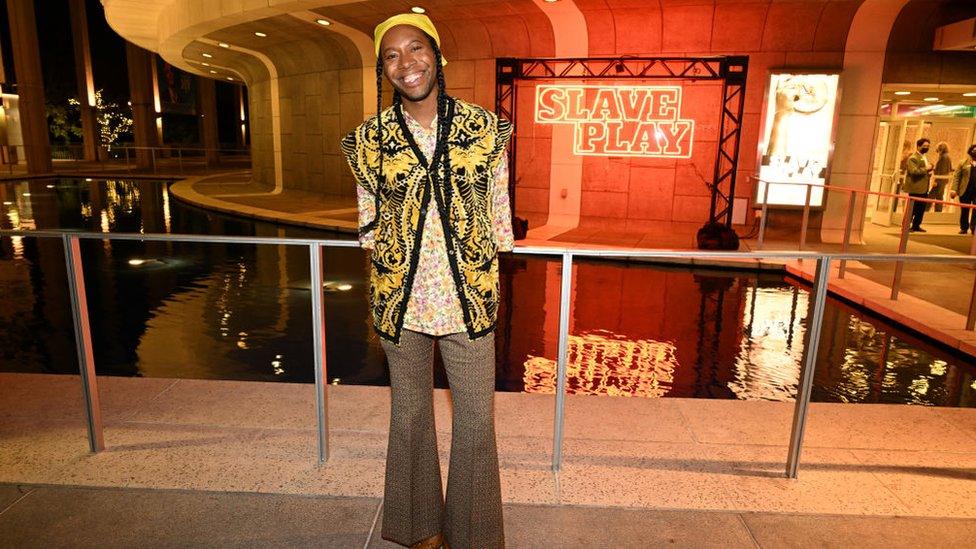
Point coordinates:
[(619, 120)]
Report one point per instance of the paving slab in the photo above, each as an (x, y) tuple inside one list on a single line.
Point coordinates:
[(696, 476), (937, 484), (86, 517), (529, 526), (830, 425), (184, 457), (233, 404), (780, 531), (37, 450), (59, 397), (10, 494)]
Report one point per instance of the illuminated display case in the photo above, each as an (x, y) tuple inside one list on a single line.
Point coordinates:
[(798, 137)]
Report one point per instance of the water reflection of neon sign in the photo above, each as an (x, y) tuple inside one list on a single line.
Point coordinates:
[(604, 363), (619, 120)]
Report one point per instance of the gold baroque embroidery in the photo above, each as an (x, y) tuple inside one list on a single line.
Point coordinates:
[(476, 142)]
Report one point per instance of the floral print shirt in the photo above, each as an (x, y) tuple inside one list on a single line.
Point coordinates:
[(434, 307)]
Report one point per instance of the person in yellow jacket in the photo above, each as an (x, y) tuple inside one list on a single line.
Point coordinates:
[(434, 212)]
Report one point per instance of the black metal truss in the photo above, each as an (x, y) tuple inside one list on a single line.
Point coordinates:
[(731, 70)]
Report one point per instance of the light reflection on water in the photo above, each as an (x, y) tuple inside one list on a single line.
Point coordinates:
[(169, 309), (767, 366), (603, 363)]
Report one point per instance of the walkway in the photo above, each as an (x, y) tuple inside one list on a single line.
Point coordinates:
[(688, 470), (35, 516)]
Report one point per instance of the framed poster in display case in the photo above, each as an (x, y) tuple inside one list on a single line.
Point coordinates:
[(797, 142)]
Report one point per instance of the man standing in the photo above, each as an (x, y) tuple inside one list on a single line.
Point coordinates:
[(434, 212), (918, 176), (964, 186)]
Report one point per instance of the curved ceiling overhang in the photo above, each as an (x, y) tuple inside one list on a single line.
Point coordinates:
[(476, 29), (181, 31)]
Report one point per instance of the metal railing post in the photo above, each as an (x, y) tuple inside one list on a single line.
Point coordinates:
[(972, 243), (810, 349), (902, 247), (179, 157), (318, 350), (152, 150), (806, 217), (971, 316), (848, 227), (762, 219), (128, 167), (83, 342), (564, 306)]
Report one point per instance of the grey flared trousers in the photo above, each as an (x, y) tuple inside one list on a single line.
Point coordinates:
[(413, 506)]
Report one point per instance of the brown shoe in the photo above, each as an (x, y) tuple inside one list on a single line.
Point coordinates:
[(433, 542)]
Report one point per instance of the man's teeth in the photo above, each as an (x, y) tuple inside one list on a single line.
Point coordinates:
[(411, 78)]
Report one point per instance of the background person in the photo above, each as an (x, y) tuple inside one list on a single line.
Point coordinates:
[(918, 177), (964, 186), (942, 172)]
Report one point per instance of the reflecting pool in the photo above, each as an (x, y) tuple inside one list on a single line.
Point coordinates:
[(169, 309)]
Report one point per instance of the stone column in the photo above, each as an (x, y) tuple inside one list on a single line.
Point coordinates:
[(139, 62), (30, 85), (83, 75), (207, 112), (857, 122)]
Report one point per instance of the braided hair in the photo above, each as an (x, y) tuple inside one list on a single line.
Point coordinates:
[(443, 124)]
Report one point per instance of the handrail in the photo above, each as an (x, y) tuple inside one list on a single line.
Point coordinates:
[(663, 253), (867, 191), (849, 224), (71, 241)]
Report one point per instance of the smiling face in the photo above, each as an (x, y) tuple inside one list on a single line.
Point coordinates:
[(409, 63)]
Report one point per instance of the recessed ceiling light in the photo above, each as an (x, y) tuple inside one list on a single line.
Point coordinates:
[(260, 34), (969, 94), (418, 9), (207, 55), (931, 99), (223, 44), (205, 64), (230, 78), (213, 72), (551, 1), (903, 93), (323, 22)]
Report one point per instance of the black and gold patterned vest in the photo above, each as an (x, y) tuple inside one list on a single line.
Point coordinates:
[(476, 143)]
